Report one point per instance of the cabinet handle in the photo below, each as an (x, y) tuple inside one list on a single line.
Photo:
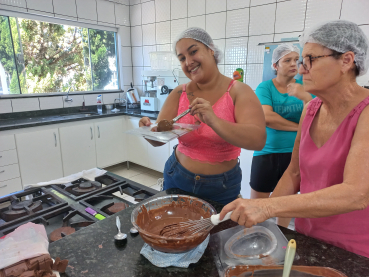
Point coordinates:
[(98, 128), (3, 186), (55, 140), (2, 171), (91, 133)]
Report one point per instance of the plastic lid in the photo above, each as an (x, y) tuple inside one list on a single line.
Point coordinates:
[(251, 243)]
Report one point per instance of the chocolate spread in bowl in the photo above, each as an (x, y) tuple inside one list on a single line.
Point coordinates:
[(152, 221)]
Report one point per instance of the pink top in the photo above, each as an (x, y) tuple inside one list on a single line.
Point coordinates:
[(350, 230), (204, 144)]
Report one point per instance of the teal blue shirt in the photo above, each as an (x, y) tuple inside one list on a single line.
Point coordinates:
[(289, 107)]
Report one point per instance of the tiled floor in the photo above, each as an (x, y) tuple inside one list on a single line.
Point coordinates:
[(137, 173)]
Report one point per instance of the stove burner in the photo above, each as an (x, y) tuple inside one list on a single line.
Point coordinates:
[(83, 187), (19, 209), (60, 233), (21, 205), (114, 208)]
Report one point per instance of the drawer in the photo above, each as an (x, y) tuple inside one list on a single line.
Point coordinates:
[(9, 172), (10, 186), (8, 157), (7, 142)]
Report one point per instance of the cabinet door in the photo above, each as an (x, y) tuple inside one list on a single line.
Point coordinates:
[(78, 148), (10, 186), (110, 142), (157, 156), (137, 146), (39, 156)]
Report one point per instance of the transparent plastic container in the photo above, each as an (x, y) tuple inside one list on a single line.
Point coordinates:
[(251, 243), (162, 60), (179, 129)]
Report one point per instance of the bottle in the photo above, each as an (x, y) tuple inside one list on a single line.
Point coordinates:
[(99, 104)]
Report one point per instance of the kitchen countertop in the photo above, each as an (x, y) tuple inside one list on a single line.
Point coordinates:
[(47, 117), (92, 252)]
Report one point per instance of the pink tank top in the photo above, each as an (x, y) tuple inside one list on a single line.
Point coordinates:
[(204, 144), (323, 167)]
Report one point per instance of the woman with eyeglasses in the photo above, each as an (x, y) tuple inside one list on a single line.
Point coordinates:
[(283, 99), (330, 159)]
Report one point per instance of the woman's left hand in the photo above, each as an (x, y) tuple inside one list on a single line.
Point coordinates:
[(247, 212), (297, 90), (203, 110)]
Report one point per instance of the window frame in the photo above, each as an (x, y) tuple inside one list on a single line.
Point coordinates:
[(56, 20)]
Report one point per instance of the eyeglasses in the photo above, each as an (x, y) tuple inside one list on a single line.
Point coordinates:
[(307, 61)]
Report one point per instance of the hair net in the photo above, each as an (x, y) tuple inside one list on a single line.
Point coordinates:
[(341, 36), (201, 36), (283, 50)]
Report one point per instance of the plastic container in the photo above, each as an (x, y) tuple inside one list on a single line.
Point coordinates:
[(162, 60), (251, 243), (179, 129), (99, 104)]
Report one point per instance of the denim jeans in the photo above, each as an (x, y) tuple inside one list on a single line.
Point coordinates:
[(222, 188)]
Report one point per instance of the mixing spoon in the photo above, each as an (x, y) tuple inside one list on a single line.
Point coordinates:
[(167, 125), (120, 235)]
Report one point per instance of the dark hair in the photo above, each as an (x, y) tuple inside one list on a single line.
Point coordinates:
[(337, 55)]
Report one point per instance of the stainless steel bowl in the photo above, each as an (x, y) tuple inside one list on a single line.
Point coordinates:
[(165, 244)]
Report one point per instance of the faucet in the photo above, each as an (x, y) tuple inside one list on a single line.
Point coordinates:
[(68, 99)]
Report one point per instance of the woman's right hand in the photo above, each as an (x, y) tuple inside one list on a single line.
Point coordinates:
[(145, 121)]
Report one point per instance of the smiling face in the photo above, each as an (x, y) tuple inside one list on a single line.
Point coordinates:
[(197, 60), (324, 73), (287, 65)]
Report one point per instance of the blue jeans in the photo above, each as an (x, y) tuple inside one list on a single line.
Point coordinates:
[(222, 188)]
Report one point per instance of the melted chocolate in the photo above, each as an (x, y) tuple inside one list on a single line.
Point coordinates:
[(164, 125), (153, 221), (240, 270), (117, 207)]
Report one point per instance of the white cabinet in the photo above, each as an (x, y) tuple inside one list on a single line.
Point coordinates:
[(245, 163), (157, 156), (78, 147), (110, 141), (10, 186), (39, 156), (137, 146)]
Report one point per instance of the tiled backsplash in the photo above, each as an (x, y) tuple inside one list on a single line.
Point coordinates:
[(237, 27)]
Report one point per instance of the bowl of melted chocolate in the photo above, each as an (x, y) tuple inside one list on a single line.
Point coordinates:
[(151, 216)]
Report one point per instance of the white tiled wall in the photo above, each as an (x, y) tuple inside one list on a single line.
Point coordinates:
[(238, 26)]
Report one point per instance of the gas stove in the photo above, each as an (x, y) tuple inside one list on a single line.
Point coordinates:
[(61, 208)]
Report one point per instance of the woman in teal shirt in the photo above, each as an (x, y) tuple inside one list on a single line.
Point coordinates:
[(283, 99)]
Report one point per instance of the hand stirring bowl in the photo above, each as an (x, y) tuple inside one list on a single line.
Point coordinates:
[(166, 125)]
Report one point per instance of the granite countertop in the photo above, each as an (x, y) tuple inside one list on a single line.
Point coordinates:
[(92, 252), (47, 117)]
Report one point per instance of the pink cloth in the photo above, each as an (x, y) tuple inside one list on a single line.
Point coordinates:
[(204, 144), (323, 167)]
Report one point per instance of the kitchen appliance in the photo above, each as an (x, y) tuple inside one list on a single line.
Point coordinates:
[(157, 85), (62, 212)]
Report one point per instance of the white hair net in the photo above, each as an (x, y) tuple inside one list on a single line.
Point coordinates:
[(202, 36), (341, 36), (283, 50)]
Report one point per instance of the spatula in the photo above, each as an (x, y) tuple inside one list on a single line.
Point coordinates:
[(167, 125)]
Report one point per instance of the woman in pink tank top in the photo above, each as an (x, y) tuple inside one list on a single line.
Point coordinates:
[(330, 159), (230, 116)]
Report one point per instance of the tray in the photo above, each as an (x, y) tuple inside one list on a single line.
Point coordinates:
[(223, 261), (179, 129)]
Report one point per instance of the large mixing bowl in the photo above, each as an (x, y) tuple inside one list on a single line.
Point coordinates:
[(165, 208)]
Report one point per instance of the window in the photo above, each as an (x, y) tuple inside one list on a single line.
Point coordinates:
[(42, 57)]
